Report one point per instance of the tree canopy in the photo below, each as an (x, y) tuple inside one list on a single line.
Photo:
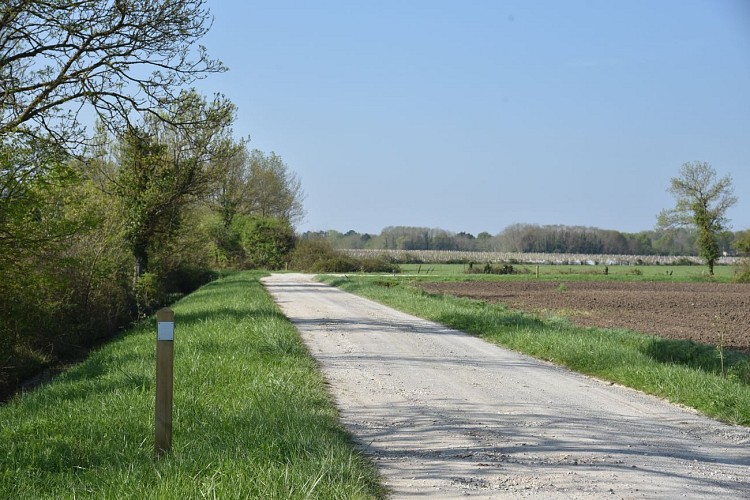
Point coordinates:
[(81, 210), (119, 57), (702, 202)]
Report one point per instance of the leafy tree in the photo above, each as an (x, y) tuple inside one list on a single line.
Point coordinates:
[(273, 189), (260, 187), (702, 202), (147, 191), (232, 190), (185, 261), (61, 257), (163, 169), (484, 242), (258, 184), (33, 227), (34, 177), (725, 239), (68, 229), (742, 242), (118, 57), (266, 241), (742, 245), (350, 239)]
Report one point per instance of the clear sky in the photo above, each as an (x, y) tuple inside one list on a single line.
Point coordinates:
[(473, 115)]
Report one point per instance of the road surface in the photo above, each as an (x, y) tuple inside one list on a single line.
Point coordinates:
[(447, 415)]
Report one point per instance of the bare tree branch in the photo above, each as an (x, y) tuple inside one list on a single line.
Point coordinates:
[(123, 58)]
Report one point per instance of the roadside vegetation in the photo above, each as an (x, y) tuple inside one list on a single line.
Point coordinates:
[(317, 255), (101, 223), (679, 371), (252, 418), (87, 247)]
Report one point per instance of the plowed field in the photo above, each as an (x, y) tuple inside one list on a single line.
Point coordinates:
[(701, 312)]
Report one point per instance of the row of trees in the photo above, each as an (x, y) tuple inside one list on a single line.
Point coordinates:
[(97, 228), (91, 243), (534, 238), (696, 225)]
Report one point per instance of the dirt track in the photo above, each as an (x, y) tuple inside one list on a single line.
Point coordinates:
[(447, 415), (701, 312)]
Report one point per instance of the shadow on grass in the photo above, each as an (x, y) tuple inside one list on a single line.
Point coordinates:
[(702, 357), (479, 324), (217, 290), (194, 319)]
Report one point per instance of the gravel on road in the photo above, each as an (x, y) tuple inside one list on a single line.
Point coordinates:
[(447, 415)]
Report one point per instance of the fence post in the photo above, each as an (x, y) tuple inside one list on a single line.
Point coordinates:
[(164, 378)]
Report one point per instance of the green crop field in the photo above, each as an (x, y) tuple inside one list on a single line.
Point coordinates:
[(723, 273)]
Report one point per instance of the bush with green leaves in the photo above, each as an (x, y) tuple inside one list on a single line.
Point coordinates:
[(488, 268), (742, 244), (266, 241), (742, 273), (316, 255), (65, 287)]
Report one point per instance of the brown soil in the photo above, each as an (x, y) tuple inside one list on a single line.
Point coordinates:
[(696, 311)]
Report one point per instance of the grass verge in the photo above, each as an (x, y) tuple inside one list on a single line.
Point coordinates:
[(252, 418), (680, 371)]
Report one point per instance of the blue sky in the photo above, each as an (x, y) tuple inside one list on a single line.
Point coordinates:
[(473, 115)]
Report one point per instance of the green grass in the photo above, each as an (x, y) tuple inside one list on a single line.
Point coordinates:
[(680, 371), (252, 418), (723, 274)]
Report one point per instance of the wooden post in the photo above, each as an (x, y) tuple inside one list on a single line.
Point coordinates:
[(537, 272), (164, 377)]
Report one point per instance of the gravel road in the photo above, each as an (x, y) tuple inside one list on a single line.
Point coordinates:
[(447, 415)]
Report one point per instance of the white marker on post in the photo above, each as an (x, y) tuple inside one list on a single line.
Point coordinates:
[(164, 379), (165, 330)]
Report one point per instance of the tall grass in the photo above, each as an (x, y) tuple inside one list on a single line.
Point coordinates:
[(252, 418), (680, 371)]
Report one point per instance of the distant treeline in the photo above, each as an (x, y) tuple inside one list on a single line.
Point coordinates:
[(530, 238)]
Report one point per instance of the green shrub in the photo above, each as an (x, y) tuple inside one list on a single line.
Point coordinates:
[(316, 255), (229, 251), (309, 252), (742, 273), (185, 261), (490, 269), (378, 265), (266, 241), (149, 294)]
